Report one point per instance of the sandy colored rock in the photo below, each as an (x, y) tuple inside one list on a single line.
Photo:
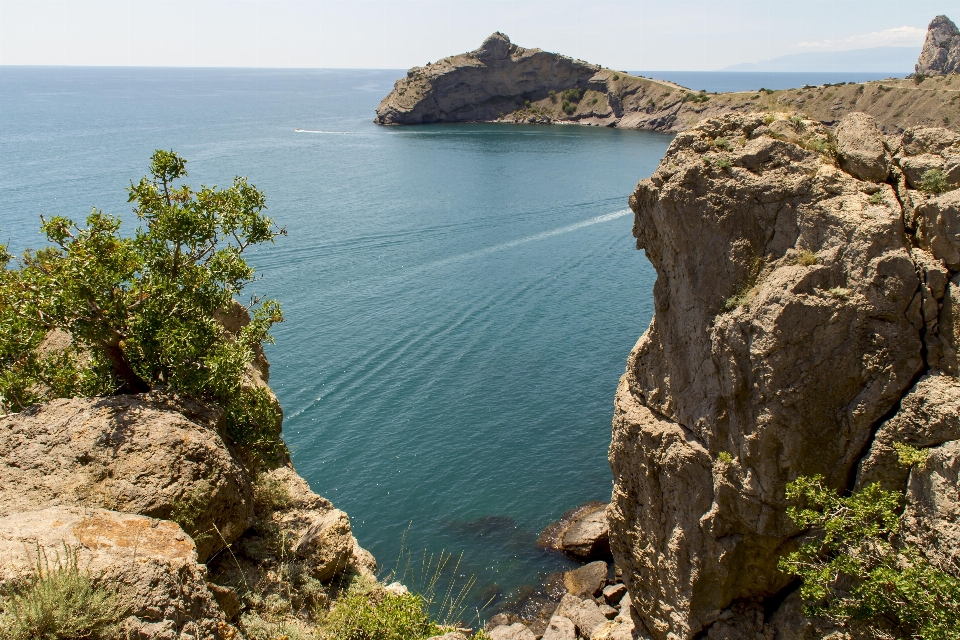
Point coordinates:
[(941, 50), (153, 561), (861, 148), (588, 580), (515, 631), (932, 515), (588, 537), (453, 635), (560, 628), (585, 614), (614, 593), (753, 353), (929, 416), (150, 454), (938, 227)]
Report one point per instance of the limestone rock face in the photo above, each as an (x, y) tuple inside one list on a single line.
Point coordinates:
[(861, 148), (153, 561), (150, 454), (480, 85), (788, 319), (941, 51)]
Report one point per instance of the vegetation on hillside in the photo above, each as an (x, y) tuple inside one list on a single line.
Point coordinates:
[(141, 312), (858, 571)]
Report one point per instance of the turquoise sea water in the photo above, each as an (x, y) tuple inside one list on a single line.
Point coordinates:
[(460, 299)]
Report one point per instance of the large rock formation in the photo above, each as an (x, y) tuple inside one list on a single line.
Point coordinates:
[(941, 50), (795, 311), (155, 455), (501, 82), (480, 85)]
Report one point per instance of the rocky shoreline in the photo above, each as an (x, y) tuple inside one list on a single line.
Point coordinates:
[(504, 83)]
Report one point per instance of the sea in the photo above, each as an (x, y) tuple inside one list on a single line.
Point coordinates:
[(460, 299)]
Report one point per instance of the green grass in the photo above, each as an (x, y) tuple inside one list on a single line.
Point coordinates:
[(933, 181), (61, 602), (876, 198), (269, 494), (806, 258), (723, 163)]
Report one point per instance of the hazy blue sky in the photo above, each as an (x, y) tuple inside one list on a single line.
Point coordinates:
[(640, 34)]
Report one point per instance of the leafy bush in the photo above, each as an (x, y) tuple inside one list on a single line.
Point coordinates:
[(723, 163), (142, 311), (696, 97), (379, 615), (876, 198), (722, 143), (60, 603), (568, 108), (616, 76), (553, 95), (856, 570), (572, 95), (918, 78), (933, 181)]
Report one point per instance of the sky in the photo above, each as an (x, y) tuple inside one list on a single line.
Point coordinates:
[(398, 34)]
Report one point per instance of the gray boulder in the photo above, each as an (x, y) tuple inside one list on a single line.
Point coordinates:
[(862, 151), (515, 631), (560, 628)]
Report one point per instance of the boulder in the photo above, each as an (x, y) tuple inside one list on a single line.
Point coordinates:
[(585, 614), (453, 635), (560, 628), (581, 533), (588, 580), (588, 538), (938, 227), (614, 593), (292, 524), (153, 454), (862, 151), (515, 631), (914, 167), (153, 562), (941, 50), (785, 329)]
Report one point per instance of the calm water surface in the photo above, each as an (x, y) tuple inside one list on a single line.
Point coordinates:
[(460, 299)]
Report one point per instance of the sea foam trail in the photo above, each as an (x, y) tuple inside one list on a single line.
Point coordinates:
[(533, 238), (336, 133)]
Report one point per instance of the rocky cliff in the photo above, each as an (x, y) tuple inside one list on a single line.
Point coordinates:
[(941, 50), (501, 82), (804, 321), (144, 494)]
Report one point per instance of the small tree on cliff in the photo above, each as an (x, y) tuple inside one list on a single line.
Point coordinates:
[(857, 570), (142, 311)]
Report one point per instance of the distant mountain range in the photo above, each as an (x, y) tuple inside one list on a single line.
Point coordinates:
[(877, 60)]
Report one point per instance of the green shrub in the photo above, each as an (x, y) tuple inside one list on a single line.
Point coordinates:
[(857, 571), (568, 108), (723, 163), (876, 198), (840, 293), (933, 181), (616, 76), (143, 309), (269, 494), (379, 615), (526, 103), (553, 95), (909, 456), (918, 78), (60, 602), (696, 97), (572, 95), (725, 457), (806, 258), (722, 143)]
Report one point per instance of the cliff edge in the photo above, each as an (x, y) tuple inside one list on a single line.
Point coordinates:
[(804, 321)]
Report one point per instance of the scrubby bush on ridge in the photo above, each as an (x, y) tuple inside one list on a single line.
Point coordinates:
[(141, 312)]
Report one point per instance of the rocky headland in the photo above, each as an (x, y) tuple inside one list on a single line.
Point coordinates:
[(503, 82)]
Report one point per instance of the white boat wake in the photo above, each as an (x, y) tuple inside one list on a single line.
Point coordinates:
[(336, 133)]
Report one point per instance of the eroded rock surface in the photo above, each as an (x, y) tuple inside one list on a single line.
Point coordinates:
[(794, 313), (941, 50), (153, 561), (151, 454)]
